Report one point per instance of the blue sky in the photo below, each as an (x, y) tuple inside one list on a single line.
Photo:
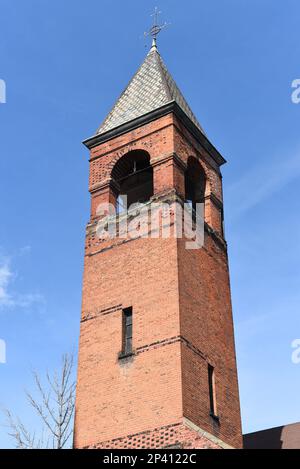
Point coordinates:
[(64, 64)]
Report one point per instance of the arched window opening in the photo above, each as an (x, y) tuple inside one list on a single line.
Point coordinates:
[(134, 176), (195, 183)]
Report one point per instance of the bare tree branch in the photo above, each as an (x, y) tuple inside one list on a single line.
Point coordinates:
[(55, 408)]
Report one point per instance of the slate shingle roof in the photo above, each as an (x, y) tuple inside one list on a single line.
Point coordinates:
[(151, 88)]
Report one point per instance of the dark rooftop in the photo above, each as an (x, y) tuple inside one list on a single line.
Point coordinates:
[(285, 437)]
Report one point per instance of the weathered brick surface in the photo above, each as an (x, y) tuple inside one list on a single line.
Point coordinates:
[(116, 398), (171, 436), (206, 323), (181, 315)]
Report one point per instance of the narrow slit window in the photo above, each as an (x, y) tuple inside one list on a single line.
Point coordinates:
[(127, 331), (212, 391)]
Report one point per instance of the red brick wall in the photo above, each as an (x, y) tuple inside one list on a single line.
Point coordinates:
[(177, 435), (206, 326), (116, 398), (181, 315)]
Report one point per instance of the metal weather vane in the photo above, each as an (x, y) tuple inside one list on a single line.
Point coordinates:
[(156, 27)]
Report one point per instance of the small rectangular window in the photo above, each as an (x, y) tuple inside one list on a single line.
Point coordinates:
[(212, 391), (127, 331)]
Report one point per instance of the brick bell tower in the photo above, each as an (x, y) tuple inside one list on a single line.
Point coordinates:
[(157, 366)]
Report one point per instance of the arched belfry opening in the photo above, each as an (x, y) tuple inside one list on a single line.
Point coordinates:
[(195, 183), (133, 174)]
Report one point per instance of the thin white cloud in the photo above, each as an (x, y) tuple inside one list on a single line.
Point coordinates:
[(261, 182), (9, 298)]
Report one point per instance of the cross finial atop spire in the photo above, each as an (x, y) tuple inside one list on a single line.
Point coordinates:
[(156, 27)]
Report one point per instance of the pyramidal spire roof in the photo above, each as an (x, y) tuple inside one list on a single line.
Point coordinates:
[(151, 88)]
